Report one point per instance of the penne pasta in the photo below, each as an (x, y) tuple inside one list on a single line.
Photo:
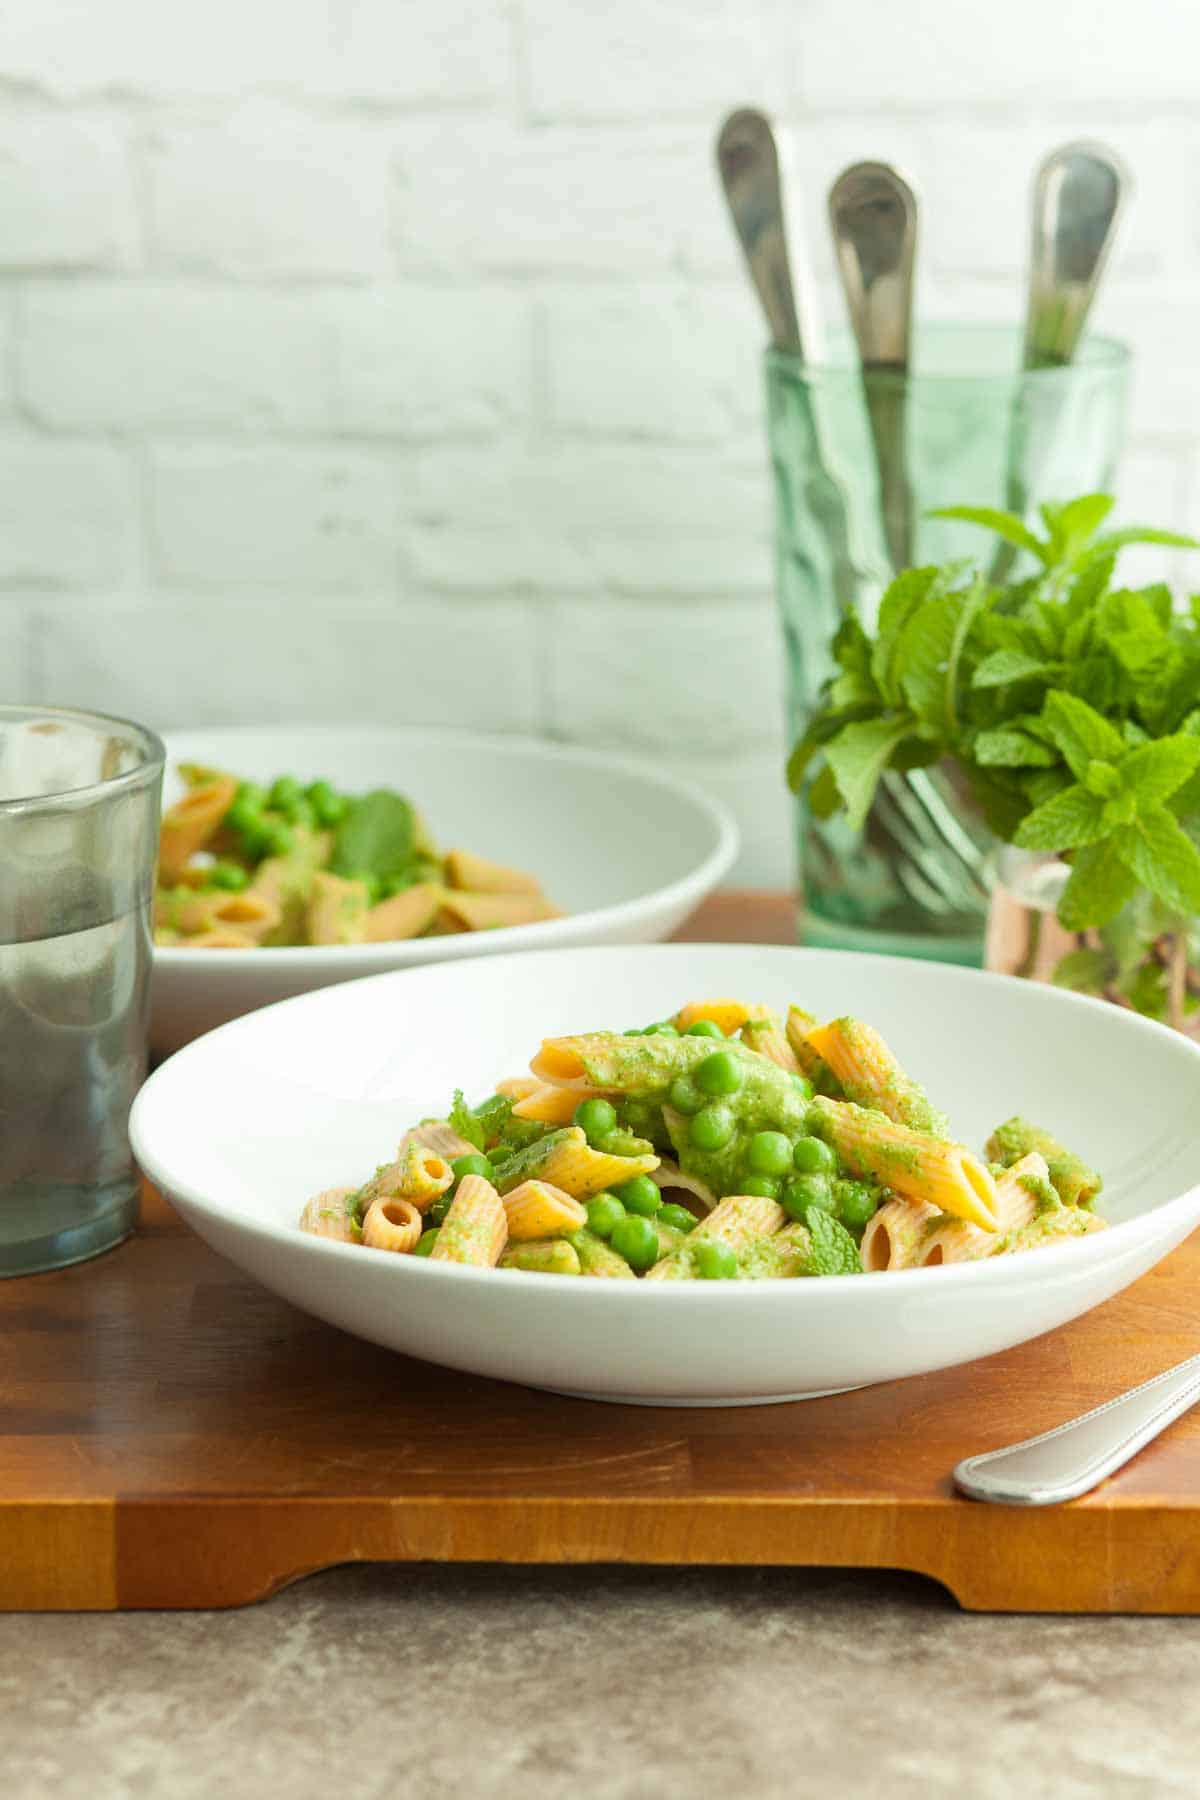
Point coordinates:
[(1075, 1183), (894, 1237), (915, 1164), (672, 1182), (869, 1074), (565, 1159), (812, 1064), (738, 1220), (598, 1259), (476, 875), (764, 1033), (552, 1256), (1021, 1193), (783, 1255), (475, 1228), (518, 1087), (538, 1210), (405, 915), (552, 1105), (489, 912), (337, 910), (330, 1215), (439, 1137), (730, 1015), (392, 1224), (190, 823), (418, 1174)]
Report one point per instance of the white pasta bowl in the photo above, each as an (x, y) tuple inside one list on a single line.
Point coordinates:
[(243, 1126), (627, 852)]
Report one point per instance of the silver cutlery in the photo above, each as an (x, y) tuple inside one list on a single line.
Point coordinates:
[(1078, 194), (873, 215), (1073, 1458), (748, 164)]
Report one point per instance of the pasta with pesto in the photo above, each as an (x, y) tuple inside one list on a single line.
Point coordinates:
[(728, 1142)]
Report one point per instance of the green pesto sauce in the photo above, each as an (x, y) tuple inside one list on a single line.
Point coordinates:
[(1042, 1191)]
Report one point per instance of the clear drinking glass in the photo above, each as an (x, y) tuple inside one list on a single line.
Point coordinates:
[(967, 426), (79, 807)]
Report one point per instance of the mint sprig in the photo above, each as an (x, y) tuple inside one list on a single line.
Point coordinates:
[(1070, 704)]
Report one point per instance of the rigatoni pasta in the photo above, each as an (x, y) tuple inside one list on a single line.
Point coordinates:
[(697, 1148)]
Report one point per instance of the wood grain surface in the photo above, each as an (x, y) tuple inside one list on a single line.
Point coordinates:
[(171, 1435)]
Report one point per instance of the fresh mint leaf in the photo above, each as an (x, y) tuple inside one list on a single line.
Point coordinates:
[(463, 1120), (1071, 526), (1073, 818), (858, 756), (1004, 666), (1142, 534), (1084, 971), (1101, 884), (376, 837), (824, 796), (1080, 732), (1006, 525), (1158, 770), (899, 602), (1008, 747), (1095, 573), (832, 1251), (1163, 857), (929, 656)]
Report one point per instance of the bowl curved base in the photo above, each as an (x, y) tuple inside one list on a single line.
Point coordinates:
[(674, 1400)]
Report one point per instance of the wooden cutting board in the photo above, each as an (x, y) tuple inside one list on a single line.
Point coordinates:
[(171, 1435)]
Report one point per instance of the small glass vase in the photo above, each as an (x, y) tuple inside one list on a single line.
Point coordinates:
[(1147, 959)]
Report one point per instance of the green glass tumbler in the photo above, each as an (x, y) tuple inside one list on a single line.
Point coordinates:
[(967, 426)]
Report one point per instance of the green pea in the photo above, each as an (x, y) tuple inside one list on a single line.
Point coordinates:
[(856, 1202), (685, 1096), (769, 1153), (765, 1185), (604, 1212), (663, 1029), (721, 1073), (636, 1240), (805, 1191), (715, 1261), (426, 1241), (245, 815), (712, 1128), (595, 1118), (705, 1028), (252, 794), (437, 1212), (813, 1156), (285, 791), (634, 1031), (640, 1195), (474, 1164), (275, 838), (228, 875), (678, 1217), (803, 1083), (328, 807)]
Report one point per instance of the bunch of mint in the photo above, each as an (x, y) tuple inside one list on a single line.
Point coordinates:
[(1071, 705)]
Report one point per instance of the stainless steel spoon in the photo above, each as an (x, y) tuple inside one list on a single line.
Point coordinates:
[(748, 164), (1078, 193), (1075, 1457), (873, 214)]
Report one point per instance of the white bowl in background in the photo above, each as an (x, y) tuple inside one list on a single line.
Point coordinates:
[(627, 852), (242, 1127)]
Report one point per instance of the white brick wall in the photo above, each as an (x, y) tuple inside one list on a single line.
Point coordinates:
[(405, 348)]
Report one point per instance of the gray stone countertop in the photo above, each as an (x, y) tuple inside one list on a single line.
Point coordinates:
[(607, 1683)]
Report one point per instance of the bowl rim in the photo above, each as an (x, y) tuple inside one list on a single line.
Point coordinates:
[(701, 879), (996, 1271)]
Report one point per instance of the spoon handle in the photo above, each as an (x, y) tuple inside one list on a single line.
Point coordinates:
[(1073, 1458), (748, 165)]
